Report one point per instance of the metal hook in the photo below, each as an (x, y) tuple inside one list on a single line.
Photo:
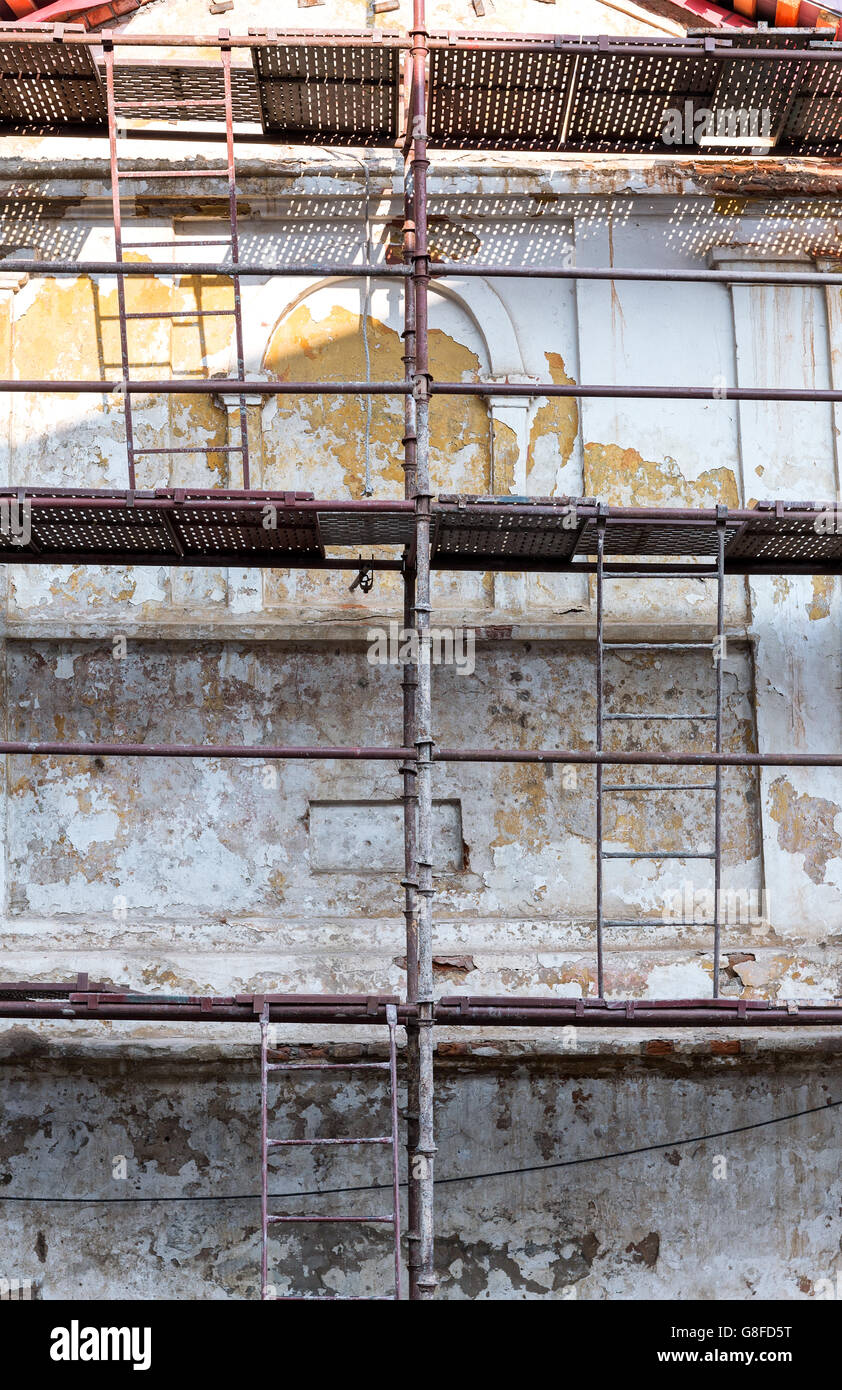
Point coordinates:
[(365, 577)]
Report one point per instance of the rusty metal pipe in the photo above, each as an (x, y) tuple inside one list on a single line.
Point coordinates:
[(205, 500), (410, 769), (231, 386), (207, 1011), (422, 1269), (225, 56), (619, 515), (717, 48), (18, 266), (642, 274), (212, 386), (650, 1014), (611, 758), (443, 755), (600, 714), (61, 33), (117, 221), (267, 559), (276, 752), (452, 1011), (720, 700), (665, 48), (619, 391), (438, 270)]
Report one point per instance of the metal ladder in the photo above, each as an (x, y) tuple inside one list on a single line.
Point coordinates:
[(267, 1144), (714, 855), (224, 105)]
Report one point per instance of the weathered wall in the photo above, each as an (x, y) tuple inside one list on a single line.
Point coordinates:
[(80, 838), (753, 1215), (238, 877), (220, 876)]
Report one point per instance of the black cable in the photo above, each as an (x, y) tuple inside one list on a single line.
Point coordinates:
[(441, 1182)]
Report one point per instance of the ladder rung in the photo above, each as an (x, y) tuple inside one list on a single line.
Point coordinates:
[(328, 1066), (182, 314), (651, 922), (182, 241), (302, 1143), (174, 174), (655, 646), (654, 854), (357, 1220), (688, 718), (195, 449), (659, 787), (168, 101)]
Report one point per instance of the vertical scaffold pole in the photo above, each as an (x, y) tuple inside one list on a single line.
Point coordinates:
[(422, 1152), (717, 830), (600, 709), (108, 55), (264, 1153), (409, 769), (225, 57)]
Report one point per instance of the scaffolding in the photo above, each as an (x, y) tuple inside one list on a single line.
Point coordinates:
[(554, 94)]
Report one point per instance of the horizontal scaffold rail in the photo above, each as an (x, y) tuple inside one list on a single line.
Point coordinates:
[(263, 752), (292, 752), (33, 999), (445, 269), (210, 386)]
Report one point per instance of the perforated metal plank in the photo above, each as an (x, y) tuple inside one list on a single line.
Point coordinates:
[(494, 530), (534, 530), (814, 121), (160, 83), (654, 538), (500, 93), (176, 531), (510, 99), (342, 93), (366, 528), (206, 531), (752, 98), (49, 85), (138, 530), (774, 536), (620, 101), (44, 989)]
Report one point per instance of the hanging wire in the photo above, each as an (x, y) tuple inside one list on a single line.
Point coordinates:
[(576, 1162)]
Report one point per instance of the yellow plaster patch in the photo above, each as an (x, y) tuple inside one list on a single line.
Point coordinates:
[(330, 428), (317, 442), (624, 477), (806, 826), (822, 595), (505, 458), (559, 417)]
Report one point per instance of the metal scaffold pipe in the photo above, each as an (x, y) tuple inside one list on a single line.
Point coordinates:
[(209, 386), (410, 766), (16, 265), (422, 1270)]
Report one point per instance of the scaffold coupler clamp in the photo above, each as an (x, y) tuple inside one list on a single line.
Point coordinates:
[(421, 383)]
